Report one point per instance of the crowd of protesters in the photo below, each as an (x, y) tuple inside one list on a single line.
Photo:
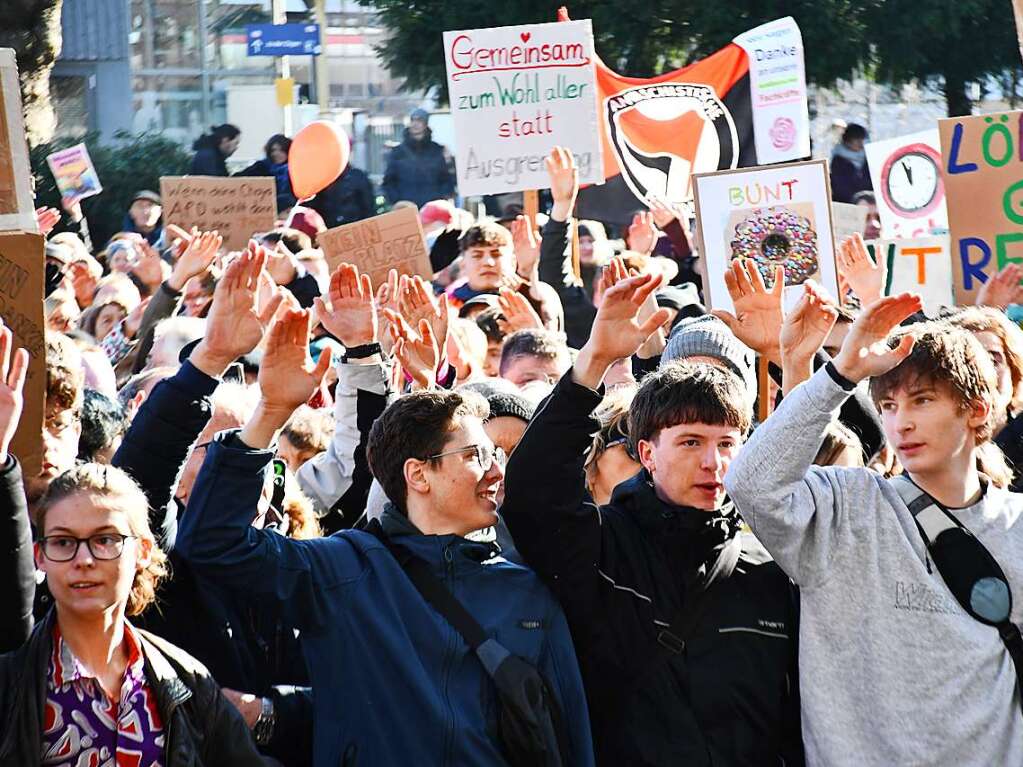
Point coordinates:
[(521, 514)]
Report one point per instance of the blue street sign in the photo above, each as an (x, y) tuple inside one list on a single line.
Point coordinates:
[(283, 39)]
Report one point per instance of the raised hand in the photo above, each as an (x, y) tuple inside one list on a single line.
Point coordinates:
[(804, 331), (610, 275), (417, 302), (13, 369), (417, 352), (564, 176), (662, 212), (150, 268), (865, 278), (1002, 289), (237, 319), (198, 255), (287, 375), (281, 265), (47, 218), (526, 245), (758, 311), (517, 312), (616, 332), (865, 351), (351, 315), (642, 233), (133, 321)]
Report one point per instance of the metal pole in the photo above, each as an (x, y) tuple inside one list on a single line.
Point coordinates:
[(280, 17), (203, 66), (320, 62)]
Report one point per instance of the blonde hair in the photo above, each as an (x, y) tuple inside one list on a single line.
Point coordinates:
[(109, 482)]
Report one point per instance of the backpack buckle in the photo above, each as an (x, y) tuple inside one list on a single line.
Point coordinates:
[(671, 642)]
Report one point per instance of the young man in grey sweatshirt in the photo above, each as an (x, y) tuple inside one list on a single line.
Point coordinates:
[(892, 670)]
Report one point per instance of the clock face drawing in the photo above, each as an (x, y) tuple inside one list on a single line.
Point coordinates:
[(911, 180)]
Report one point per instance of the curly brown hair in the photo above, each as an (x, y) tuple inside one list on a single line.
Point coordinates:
[(103, 481)]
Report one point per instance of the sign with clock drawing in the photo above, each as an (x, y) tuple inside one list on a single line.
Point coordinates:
[(906, 172)]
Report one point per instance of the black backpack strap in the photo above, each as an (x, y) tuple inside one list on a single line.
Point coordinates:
[(433, 590)]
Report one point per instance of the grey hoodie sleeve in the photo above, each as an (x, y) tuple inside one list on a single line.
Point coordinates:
[(361, 394), (800, 512)]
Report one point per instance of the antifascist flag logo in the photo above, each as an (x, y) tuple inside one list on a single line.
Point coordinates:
[(662, 134)]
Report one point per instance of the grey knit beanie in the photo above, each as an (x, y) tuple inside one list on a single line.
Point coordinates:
[(707, 336)]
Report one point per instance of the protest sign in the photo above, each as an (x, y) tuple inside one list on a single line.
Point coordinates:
[(777, 79), (235, 207), (848, 219), (906, 172), (778, 215), (516, 93), (983, 172), (74, 173), (16, 207), (922, 266), (376, 245), (658, 132), (21, 306)]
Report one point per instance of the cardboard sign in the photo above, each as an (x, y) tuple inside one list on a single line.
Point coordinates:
[(922, 266), (906, 172), (235, 207), (516, 93), (74, 173), (848, 219), (376, 245), (983, 173), (21, 306), (778, 215), (16, 207), (777, 77)]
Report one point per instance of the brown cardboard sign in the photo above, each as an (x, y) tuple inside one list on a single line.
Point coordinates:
[(983, 173), (21, 306), (16, 207), (376, 245), (235, 207)]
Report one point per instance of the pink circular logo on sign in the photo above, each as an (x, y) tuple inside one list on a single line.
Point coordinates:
[(783, 133)]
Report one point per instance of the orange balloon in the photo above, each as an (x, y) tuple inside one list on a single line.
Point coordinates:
[(318, 155)]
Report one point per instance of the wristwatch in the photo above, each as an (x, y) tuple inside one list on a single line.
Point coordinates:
[(360, 352), (263, 729)]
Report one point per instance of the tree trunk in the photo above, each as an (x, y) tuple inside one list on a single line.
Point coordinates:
[(957, 103), (32, 29)]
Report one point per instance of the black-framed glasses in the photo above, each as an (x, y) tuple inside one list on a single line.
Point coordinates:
[(102, 546), (485, 455)]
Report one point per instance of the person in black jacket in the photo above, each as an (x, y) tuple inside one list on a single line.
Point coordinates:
[(417, 169), (684, 628), (212, 150), (849, 170), (275, 165), (349, 198)]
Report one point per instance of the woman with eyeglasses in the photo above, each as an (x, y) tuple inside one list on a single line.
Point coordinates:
[(87, 687)]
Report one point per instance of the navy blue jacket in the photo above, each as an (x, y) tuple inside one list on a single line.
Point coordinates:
[(393, 683), (418, 171)]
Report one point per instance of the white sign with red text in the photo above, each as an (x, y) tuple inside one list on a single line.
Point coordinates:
[(517, 92)]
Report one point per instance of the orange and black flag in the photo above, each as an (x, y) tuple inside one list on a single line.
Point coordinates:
[(658, 131)]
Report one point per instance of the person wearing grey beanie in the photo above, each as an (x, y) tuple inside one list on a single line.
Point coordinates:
[(711, 338)]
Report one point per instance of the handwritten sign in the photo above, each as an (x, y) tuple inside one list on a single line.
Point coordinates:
[(376, 245), (16, 209), (74, 173), (983, 173), (922, 266), (21, 306), (777, 215), (235, 207), (517, 92), (907, 178)]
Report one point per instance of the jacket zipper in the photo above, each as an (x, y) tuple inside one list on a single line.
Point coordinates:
[(449, 657)]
